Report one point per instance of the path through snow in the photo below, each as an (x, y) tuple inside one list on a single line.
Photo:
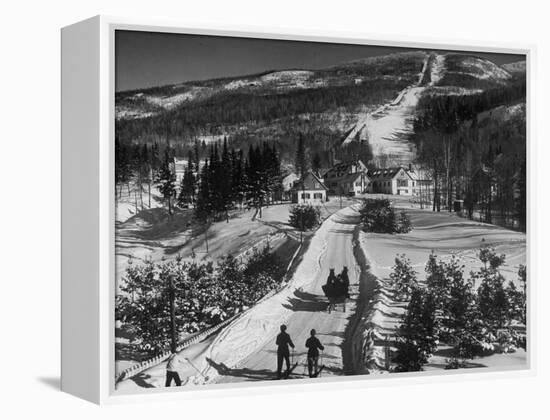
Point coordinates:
[(246, 349)]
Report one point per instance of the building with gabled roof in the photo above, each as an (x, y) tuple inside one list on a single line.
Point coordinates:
[(347, 178), (309, 190), (396, 181)]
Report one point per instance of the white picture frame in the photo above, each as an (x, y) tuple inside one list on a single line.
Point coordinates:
[(88, 268)]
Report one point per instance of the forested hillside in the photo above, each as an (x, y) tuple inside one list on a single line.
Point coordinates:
[(277, 107), (474, 147)]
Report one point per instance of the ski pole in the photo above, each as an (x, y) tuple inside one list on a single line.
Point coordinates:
[(322, 353), (200, 373)]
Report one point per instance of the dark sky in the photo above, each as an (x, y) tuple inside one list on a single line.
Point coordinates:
[(147, 59)]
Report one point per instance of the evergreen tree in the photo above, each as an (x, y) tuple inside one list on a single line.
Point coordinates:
[(304, 216), (316, 163), (203, 208), (455, 301), (301, 163), (257, 180), (166, 180), (187, 187), (238, 180), (196, 156), (123, 170), (145, 169), (493, 303), (418, 333), (273, 176), (225, 173), (403, 277)]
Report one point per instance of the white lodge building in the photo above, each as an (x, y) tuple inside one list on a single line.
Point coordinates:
[(309, 190), (348, 178), (395, 181)]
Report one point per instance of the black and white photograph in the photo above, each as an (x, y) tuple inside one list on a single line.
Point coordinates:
[(299, 211)]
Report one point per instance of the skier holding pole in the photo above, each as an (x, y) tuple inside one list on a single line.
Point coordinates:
[(313, 345), (172, 369), (283, 352)]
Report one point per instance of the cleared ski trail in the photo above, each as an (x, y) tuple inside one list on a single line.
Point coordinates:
[(387, 128), (246, 349)]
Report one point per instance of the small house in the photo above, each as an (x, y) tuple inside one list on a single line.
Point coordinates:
[(309, 190)]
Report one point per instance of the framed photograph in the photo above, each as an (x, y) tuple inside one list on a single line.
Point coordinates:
[(257, 209)]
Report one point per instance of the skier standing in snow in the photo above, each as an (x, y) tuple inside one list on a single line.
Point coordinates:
[(283, 352), (172, 369), (313, 346)]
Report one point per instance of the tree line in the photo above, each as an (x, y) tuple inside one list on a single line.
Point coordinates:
[(214, 181), (229, 178), (473, 155)]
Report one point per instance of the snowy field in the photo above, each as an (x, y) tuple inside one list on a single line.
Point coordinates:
[(447, 235)]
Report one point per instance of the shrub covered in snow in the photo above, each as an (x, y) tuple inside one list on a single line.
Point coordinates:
[(304, 216), (403, 277), (404, 224), (473, 322), (378, 215), (418, 332)]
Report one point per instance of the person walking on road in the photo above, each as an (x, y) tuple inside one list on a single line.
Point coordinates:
[(313, 346), (283, 352), (172, 369)]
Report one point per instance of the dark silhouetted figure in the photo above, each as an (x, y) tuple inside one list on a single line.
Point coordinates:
[(283, 352), (345, 281), (330, 287), (313, 346), (339, 287), (331, 280)]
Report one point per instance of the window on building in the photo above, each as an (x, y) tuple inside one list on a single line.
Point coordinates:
[(402, 183), (305, 196), (318, 196)]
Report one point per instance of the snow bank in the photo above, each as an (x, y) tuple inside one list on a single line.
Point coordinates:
[(250, 331), (447, 235), (368, 350)]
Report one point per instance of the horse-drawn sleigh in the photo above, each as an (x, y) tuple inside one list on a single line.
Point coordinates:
[(336, 290)]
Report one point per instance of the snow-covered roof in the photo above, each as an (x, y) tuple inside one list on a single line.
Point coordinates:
[(310, 182), (388, 173), (345, 168)]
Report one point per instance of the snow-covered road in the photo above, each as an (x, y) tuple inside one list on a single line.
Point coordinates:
[(246, 350)]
